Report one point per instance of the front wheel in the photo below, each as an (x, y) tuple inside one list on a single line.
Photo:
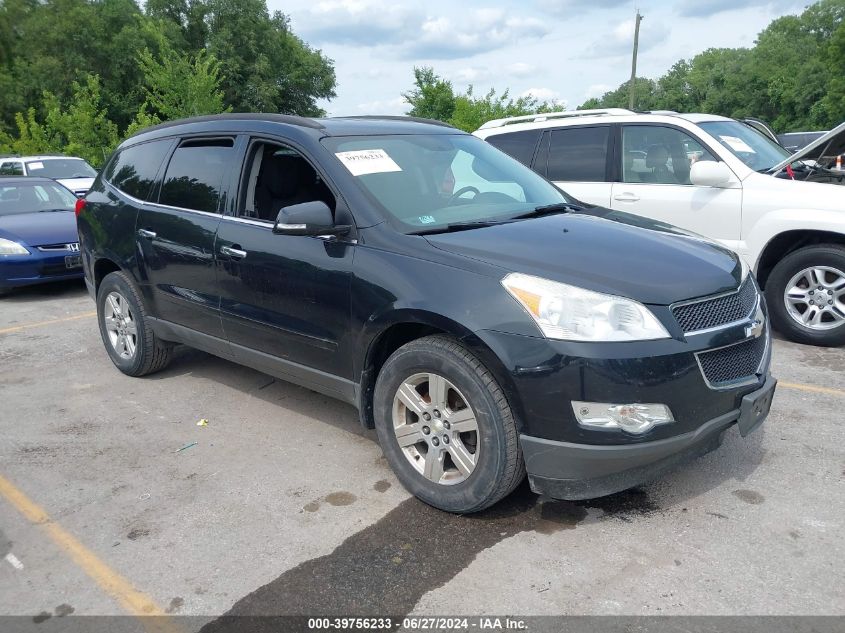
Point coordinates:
[(806, 295), (445, 426)]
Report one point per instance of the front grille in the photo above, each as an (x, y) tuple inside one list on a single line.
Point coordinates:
[(735, 363), (709, 313), (48, 248)]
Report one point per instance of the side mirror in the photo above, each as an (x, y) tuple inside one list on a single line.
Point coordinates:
[(708, 173), (308, 218)]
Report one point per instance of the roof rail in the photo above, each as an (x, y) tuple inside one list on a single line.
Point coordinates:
[(536, 118), (666, 112), (395, 117)]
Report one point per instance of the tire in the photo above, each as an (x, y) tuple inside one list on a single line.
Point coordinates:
[(830, 259), (490, 455), (148, 354)]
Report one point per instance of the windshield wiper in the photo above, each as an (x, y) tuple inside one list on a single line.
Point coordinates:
[(52, 210), (461, 226), (549, 209)]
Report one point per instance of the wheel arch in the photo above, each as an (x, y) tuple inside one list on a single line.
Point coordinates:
[(405, 326), (102, 267), (788, 242)]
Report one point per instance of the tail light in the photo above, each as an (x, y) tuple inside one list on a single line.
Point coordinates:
[(80, 205)]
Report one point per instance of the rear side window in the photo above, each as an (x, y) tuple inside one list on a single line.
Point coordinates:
[(134, 169), (519, 145), (578, 154), (12, 168), (195, 174)]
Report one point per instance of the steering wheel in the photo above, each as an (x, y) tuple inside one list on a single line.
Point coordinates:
[(462, 191)]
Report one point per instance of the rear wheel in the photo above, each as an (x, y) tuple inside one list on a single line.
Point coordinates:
[(806, 295), (445, 426), (129, 340)]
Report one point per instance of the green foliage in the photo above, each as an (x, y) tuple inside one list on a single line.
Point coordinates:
[(80, 127), (178, 85), (174, 58), (793, 77), (434, 98)]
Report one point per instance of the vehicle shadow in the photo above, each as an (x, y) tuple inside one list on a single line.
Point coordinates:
[(255, 384), (736, 460), (399, 558)]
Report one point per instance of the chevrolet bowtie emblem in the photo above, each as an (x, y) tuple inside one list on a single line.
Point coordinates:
[(757, 325)]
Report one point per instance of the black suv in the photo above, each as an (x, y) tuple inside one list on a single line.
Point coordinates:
[(482, 321)]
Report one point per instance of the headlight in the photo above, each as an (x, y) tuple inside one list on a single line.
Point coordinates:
[(8, 247), (575, 314)]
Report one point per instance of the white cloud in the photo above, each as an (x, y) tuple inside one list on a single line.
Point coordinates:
[(569, 7), (546, 94), (597, 90), (358, 22), (384, 106), (476, 32), (519, 69), (475, 74), (620, 40), (706, 8)]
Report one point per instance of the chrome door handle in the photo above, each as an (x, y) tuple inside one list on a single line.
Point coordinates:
[(233, 252), (626, 197), (145, 233)]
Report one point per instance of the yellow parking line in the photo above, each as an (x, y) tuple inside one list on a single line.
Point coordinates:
[(26, 326), (812, 388), (111, 582)]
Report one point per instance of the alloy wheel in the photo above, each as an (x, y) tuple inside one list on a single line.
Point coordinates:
[(815, 298), (120, 325), (436, 428)]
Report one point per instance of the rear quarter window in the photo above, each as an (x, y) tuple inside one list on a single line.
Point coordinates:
[(519, 145), (133, 170)]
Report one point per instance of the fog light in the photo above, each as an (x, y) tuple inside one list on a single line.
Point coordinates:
[(631, 418)]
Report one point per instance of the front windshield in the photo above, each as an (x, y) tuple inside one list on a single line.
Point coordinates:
[(753, 148), (60, 168), (31, 198), (431, 181)]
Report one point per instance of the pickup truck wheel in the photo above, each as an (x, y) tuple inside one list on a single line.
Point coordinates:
[(445, 426), (806, 295), (129, 340)]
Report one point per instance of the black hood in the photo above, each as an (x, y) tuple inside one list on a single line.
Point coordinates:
[(625, 256)]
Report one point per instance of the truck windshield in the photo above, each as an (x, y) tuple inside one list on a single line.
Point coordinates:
[(430, 181), (753, 148)]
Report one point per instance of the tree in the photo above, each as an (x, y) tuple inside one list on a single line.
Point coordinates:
[(434, 98), (80, 128), (178, 85), (793, 76), (266, 67)]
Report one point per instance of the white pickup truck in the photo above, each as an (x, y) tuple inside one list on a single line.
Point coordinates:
[(714, 176)]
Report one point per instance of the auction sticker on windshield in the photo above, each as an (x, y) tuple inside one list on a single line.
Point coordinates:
[(368, 161), (737, 144)]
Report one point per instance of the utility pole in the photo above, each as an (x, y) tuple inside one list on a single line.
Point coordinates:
[(631, 86)]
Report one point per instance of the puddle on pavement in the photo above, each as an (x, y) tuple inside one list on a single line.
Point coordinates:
[(388, 566)]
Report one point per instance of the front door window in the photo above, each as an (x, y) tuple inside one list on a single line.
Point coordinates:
[(659, 155)]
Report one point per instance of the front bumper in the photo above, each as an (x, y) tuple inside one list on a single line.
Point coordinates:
[(38, 267), (564, 470)]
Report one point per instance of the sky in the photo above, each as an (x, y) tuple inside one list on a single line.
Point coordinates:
[(561, 50)]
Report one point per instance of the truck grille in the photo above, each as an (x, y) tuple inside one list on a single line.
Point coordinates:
[(709, 313), (736, 363)]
